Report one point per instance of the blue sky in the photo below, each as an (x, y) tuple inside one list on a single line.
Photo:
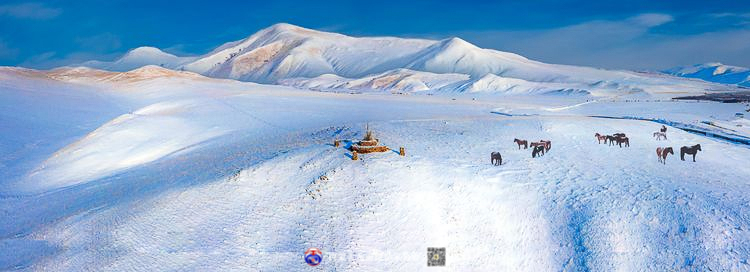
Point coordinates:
[(633, 34)]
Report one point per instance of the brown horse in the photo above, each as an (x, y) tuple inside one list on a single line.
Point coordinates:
[(521, 142), (623, 140), (661, 153), (690, 151), (600, 138), (496, 159), (547, 145), (538, 150)]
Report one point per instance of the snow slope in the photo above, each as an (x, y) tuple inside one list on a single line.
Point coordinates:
[(410, 81), (399, 80), (715, 72), (155, 169), (41, 115)]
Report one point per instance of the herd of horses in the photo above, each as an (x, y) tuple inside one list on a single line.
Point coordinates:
[(661, 152), (614, 139), (537, 148), (543, 146)]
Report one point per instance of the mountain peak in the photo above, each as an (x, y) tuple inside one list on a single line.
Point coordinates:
[(146, 49), (457, 43), (285, 28), (146, 53)]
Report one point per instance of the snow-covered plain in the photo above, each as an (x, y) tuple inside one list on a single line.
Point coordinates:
[(155, 169)]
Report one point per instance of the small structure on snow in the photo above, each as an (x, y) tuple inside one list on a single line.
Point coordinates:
[(369, 144)]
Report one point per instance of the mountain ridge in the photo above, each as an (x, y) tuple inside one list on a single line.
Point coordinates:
[(714, 72), (289, 54)]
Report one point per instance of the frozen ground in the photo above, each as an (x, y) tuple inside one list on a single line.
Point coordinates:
[(187, 173)]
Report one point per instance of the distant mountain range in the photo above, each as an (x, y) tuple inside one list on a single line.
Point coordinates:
[(290, 55), (715, 72)]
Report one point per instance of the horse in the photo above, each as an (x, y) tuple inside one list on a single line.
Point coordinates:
[(496, 159), (521, 142), (611, 140), (538, 150), (547, 145), (622, 140), (661, 153), (690, 151), (663, 129), (660, 135), (600, 138)]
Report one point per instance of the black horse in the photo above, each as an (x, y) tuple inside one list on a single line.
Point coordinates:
[(690, 151), (610, 139), (538, 150), (496, 159)]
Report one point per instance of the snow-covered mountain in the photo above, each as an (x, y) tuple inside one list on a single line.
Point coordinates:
[(140, 57), (715, 72), (296, 56), (410, 81), (285, 51)]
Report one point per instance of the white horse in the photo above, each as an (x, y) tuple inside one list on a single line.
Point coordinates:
[(660, 135)]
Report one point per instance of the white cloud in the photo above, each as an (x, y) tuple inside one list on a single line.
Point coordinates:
[(29, 11), (651, 19), (730, 15)]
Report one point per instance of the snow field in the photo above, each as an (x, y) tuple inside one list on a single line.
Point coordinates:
[(581, 206)]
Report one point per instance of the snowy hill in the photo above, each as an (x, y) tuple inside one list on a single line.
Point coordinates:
[(140, 57), (287, 51), (715, 72), (395, 81), (283, 52), (407, 81)]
